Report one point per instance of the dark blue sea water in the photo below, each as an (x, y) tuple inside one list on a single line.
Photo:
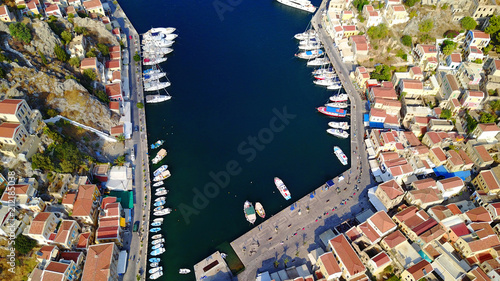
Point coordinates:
[(233, 76)]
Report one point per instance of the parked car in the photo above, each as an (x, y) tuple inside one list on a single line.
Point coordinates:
[(136, 226)]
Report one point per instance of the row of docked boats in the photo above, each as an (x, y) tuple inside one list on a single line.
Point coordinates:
[(250, 211), (156, 44)]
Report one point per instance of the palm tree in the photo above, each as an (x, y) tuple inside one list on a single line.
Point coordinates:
[(285, 261), (121, 138), (120, 160), (276, 263)]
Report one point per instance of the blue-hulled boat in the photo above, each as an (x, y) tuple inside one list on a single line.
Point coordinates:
[(157, 144)]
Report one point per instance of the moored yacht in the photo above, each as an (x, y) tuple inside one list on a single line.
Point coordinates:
[(310, 54), (163, 175), (164, 30), (338, 133), (154, 85), (153, 60), (335, 86), (339, 98), (332, 111), (159, 156), (184, 271), (282, 188), (160, 170), (306, 35), (337, 104), (153, 76), (340, 155), (157, 98), (318, 61), (339, 125)]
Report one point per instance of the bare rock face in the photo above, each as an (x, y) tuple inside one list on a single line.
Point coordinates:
[(68, 97), (45, 39), (4, 27), (97, 27)]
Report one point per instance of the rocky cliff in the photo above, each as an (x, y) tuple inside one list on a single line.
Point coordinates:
[(103, 35)]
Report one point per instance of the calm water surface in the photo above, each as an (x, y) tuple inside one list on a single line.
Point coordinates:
[(229, 78)]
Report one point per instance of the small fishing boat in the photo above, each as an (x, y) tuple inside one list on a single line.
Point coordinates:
[(160, 170), (249, 212), (157, 246), (154, 264), (156, 184), (260, 210), (338, 133), (162, 198), (335, 86), (184, 271), (161, 192), (159, 208), (282, 188), (163, 175), (223, 255), (339, 125), (160, 189), (154, 259), (157, 144), (337, 104), (153, 230), (158, 219), (156, 241), (155, 223), (163, 212), (306, 35), (156, 275), (332, 111), (159, 203), (159, 156), (156, 269)]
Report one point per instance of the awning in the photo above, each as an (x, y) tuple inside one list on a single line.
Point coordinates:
[(122, 222)]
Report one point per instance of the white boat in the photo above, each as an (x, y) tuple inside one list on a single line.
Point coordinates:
[(304, 5), (335, 86), (311, 54), (154, 264), (158, 43), (325, 76), (157, 184), (156, 236), (153, 60), (159, 203), (156, 269), (159, 156), (156, 241), (156, 275), (249, 211), (338, 133), (324, 82), (339, 98), (163, 175), (337, 104), (310, 46), (157, 252), (340, 155), (310, 40), (164, 30), (156, 53), (161, 192), (155, 36), (156, 49), (282, 188), (163, 212), (157, 98), (306, 35), (157, 246), (339, 125), (184, 271), (158, 219), (154, 85), (160, 170), (159, 208), (163, 198), (325, 70), (153, 76), (318, 61)]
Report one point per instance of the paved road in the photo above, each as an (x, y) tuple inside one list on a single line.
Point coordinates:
[(136, 243), (290, 235)]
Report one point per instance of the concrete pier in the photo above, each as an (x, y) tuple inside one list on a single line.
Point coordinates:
[(290, 234)]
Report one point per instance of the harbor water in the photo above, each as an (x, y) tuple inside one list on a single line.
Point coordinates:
[(243, 112)]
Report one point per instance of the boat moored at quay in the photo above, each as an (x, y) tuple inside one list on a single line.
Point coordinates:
[(282, 188), (332, 111), (304, 5), (340, 155)]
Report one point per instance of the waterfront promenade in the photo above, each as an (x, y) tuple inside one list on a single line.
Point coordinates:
[(291, 234), (136, 242)]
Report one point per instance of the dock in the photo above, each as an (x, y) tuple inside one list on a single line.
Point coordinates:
[(213, 267), (289, 235)]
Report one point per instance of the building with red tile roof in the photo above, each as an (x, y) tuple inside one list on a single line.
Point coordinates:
[(390, 194), (101, 263), (494, 210), (392, 240), (114, 91), (378, 263), (347, 258), (424, 184), (47, 253), (328, 266), (67, 235), (450, 187), (417, 271), (86, 203), (41, 228), (424, 198), (84, 240), (479, 214)]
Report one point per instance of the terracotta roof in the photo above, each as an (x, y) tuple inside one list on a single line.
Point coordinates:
[(51, 8), (392, 189), (98, 262), (474, 50), (479, 274), (111, 64), (107, 200), (383, 92), (429, 49), (369, 232), (484, 244), (92, 4), (433, 233), (465, 157), (450, 183), (382, 222), (113, 90), (438, 151), (115, 55), (387, 102), (83, 240), (411, 138), (434, 137), (482, 229), (497, 63), (431, 251), (57, 267), (70, 10), (456, 57), (406, 213), (84, 201), (453, 82), (46, 252), (483, 153), (460, 229), (490, 127), (412, 84), (88, 63), (479, 214), (456, 103), (352, 233), (369, 8), (69, 198), (377, 112), (38, 223), (9, 106), (3, 10), (424, 183), (381, 259), (331, 265), (349, 27), (427, 195), (454, 158), (116, 130), (116, 75), (70, 256), (109, 221), (480, 34), (8, 130), (108, 232), (489, 179), (454, 209), (114, 105), (346, 254), (114, 49), (398, 8), (420, 269), (19, 189), (63, 233), (52, 276)]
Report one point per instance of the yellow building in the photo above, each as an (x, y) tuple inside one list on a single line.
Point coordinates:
[(6, 15), (487, 181)]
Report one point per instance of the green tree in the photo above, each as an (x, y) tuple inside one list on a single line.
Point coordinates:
[(445, 114), (3, 74), (494, 25), (359, 4), (61, 53), (81, 30), (102, 96), (90, 75), (137, 57), (120, 138), (468, 23), (411, 3), (66, 36), (487, 117), (378, 32), (103, 48), (382, 73), (495, 105), (488, 48), (43, 58), (285, 261), (71, 16), (24, 244), (52, 112), (276, 264), (140, 105), (120, 160), (448, 47), (426, 26), (21, 32), (406, 40), (74, 61), (91, 53), (42, 162)]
